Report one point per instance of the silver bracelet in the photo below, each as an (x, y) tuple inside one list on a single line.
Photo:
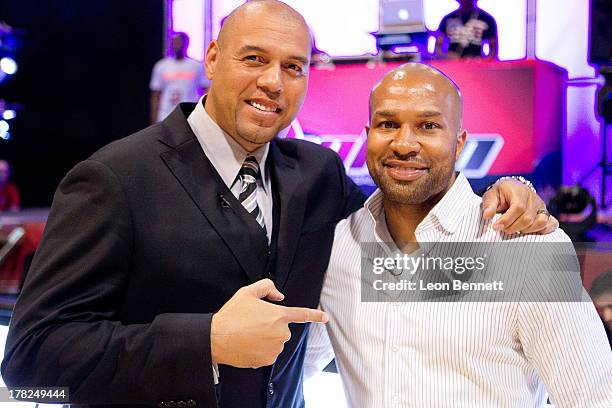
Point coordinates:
[(520, 179)]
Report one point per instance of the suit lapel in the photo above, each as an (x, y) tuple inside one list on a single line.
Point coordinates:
[(287, 179), (196, 174)]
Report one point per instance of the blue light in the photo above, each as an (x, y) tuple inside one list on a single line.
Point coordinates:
[(4, 130), (8, 65), (9, 114)]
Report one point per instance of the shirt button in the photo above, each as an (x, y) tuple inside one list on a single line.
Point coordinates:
[(395, 349), (271, 388)]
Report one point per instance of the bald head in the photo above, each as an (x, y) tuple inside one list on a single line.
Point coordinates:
[(413, 79), (254, 9)]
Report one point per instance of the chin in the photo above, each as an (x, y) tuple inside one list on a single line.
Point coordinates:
[(259, 137)]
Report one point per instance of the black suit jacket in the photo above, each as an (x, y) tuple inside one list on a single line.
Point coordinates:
[(144, 242)]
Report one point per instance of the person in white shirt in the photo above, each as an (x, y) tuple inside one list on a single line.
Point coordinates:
[(442, 354), (176, 79)]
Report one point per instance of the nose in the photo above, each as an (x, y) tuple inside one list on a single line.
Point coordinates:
[(271, 79), (405, 142)]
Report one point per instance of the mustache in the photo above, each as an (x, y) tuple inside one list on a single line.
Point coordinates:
[(412, 158)]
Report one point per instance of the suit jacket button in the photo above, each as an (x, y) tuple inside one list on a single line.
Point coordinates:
[(181, 404), (271, 388), (192, 404), (171, 404)]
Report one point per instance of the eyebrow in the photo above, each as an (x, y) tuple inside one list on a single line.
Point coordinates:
[(429, 114), (387, 114), (248, 48)]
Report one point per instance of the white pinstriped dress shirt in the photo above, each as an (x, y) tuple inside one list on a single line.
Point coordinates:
[(461, 354)]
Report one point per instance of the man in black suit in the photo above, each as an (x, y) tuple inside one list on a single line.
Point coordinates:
[(148, 286)]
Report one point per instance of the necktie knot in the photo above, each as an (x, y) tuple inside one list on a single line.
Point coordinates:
[(249, 170)]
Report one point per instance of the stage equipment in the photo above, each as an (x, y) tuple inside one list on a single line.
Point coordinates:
[(576, 210), (402, 24)]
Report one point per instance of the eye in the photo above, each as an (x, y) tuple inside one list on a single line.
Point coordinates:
[(254, 58), (430, 126), (387, 124), (295, 67)]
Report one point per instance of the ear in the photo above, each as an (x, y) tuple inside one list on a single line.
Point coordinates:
[(461, 137), (212, 56)]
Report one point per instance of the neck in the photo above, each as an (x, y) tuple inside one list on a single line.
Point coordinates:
[(403, 219)]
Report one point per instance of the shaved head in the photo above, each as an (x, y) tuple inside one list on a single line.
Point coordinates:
[(252, 8), (258, 68), (406, 73)]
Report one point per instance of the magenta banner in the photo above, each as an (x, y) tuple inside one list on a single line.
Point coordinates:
[(513, 111)]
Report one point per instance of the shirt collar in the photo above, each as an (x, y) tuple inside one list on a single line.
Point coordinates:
[(221, 149), (446, 214)]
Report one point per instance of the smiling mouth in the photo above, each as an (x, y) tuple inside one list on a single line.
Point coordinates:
[(264, 106), (404, 165), (405, 171)]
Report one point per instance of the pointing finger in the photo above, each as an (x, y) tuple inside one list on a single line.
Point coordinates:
[(305, 315)]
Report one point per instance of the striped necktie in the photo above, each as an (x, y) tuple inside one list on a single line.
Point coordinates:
[(249, 173)]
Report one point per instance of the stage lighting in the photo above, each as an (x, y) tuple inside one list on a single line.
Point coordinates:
[(9, 114), (8, 65), (4, 130), (403, 14), (576, 210)]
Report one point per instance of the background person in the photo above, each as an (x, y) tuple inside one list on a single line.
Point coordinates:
[(463, 33), (176, 79), (9, 194)]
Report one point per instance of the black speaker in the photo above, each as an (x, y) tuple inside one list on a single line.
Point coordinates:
[(601, 32)]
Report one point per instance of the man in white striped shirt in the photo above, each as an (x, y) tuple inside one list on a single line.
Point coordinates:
[(444, 354)]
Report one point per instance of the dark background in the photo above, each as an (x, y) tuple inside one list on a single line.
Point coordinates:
[(84, 69)]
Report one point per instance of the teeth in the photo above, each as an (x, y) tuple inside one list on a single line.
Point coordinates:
[(262, 107)]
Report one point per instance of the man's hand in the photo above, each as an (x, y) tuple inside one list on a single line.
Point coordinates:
[(249, 333), (519, 206)]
